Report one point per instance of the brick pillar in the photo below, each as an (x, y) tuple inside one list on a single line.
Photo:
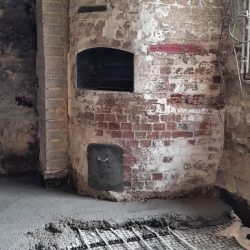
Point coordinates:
[(52, 24)]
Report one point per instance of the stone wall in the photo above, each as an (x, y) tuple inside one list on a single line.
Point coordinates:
[(234, 171), (171, 127), (18, 119)]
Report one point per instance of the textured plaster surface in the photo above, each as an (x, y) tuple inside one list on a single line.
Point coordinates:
[(234, 171), (18, 118)]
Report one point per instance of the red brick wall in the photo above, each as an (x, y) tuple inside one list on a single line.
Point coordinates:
[(170, 128)]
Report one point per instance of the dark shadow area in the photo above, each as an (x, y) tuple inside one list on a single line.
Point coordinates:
[(105, 69), (18, 102)]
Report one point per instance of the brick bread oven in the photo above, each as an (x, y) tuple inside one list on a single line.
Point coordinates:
[(167, 121)]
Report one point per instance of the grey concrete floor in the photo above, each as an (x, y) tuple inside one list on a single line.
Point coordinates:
[(26, 206)]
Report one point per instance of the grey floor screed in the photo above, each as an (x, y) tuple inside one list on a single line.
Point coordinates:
[(26, 207)]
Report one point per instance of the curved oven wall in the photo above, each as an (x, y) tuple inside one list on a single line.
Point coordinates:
[(170, 126)]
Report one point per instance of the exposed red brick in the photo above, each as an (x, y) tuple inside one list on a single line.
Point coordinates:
[(176, 48), (145, 143), (157, 176), (114, 126), (128, 160), (99, 117), (140, 122), (127, 168), (177, 118), (159, 126), (134, 118), (99, 132), (105, 109), (171, 126), (146, 127), (102, 125), (110, 117), (128, 151), (116, 134), (166, 134), (194, 100), (153, 135), (127, 171), (136, 110), (109, 102), (180, 134), (136, 127), (153, 118), (126, 126), (128, 135), (204, 125), (174, 100), (167, 118), (89, 116), (122, 118), (117, 109), (131, 144)]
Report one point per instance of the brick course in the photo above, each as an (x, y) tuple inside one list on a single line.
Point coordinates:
[(52, 16)]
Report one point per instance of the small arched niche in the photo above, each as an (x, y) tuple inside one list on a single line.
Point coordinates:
[(105, 69)]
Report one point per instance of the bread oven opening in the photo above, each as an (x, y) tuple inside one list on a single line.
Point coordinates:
[(105, 69)]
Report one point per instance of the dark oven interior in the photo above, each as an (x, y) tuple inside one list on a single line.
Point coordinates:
[(105, 69)]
